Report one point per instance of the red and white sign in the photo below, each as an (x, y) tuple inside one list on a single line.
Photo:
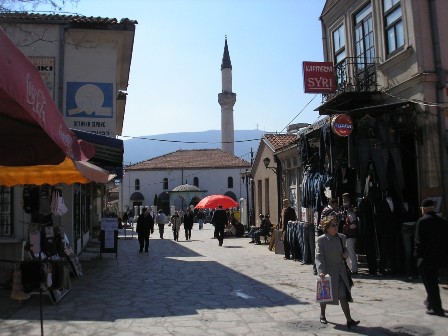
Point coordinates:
[(319, 77), (342, 125)]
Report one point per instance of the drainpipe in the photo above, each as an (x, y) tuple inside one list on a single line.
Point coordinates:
[(439, 98)]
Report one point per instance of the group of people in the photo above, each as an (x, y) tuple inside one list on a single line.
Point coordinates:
[(145, 226)]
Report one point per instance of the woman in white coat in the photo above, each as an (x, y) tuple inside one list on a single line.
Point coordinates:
[(330, 254)]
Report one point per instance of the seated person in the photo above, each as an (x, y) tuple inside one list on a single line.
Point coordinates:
[(265, 228), (254, 229)]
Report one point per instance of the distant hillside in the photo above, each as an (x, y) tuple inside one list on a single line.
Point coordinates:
[(137, 150)]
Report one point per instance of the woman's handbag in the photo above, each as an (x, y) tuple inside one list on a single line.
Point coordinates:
[(349, 272)]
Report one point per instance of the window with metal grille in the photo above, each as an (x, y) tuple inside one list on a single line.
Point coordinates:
[(165, 183), (137, 184)]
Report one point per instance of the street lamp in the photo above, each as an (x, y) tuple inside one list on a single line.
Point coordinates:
[(266, 162), (245, 176)]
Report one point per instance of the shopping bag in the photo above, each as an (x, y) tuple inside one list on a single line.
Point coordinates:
[(324, 292)]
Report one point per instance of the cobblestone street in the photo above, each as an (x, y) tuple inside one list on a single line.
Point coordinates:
[(198, 288)]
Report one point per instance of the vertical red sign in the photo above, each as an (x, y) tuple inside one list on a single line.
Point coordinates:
[(319, 77)]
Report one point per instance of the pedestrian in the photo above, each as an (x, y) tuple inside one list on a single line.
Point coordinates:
[(201, 218), (330, 253), (188, 220), (431, 252), (125, 219), (288, 214), (350, 230), (254, 229), (176, 221), (161, 221), (219, 220), (263, 230), (145, 226)]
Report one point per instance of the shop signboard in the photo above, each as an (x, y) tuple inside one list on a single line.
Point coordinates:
[(109, 236), (342, 125), (319, 77)]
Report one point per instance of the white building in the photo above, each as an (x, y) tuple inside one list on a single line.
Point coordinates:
[(212, 171)]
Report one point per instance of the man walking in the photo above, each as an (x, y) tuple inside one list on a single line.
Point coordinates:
[(431, 250), (145, 226), (219, 220), (188, 220), (161, 220)]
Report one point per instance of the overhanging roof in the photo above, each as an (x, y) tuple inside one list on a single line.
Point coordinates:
[(108, 151), (359, 102)]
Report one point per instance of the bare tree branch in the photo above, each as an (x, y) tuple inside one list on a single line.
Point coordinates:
[(23, 5)]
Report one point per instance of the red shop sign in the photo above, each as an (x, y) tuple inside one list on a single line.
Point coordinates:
[(342, 125)]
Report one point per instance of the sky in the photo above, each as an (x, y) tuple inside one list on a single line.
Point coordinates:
[(175, 74)]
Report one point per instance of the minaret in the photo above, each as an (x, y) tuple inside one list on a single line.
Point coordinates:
[(227, 99)]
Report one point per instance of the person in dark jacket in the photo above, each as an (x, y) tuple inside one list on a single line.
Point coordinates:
[(219, 220), (263, 230), (431, 252), (188, 220), (288, 214), (145, 226)]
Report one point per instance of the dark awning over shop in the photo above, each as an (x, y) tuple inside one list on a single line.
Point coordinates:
[(108, 151), (358, 103)]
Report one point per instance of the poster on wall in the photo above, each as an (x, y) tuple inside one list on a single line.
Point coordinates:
[(89, 107), (45, 66)]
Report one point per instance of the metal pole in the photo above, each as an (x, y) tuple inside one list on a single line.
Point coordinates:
[(247, 202)]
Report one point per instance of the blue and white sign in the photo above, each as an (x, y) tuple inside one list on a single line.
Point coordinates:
[(89, 100)]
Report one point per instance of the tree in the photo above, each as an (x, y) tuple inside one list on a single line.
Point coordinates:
[(23, 5)]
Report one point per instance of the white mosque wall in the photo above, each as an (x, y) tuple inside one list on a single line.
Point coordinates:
[(213, 181)]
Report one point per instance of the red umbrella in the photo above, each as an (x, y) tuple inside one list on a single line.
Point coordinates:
[(213, 201)]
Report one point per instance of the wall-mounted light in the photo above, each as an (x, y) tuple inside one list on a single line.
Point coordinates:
[(266, 162)]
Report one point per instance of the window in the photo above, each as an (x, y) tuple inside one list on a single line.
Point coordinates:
[(364, 47), (266, 196), (196, 182), (165, 184), (394, 25), (137, 184), (5, 211), (339, 54), (365, 70), (230, 182)]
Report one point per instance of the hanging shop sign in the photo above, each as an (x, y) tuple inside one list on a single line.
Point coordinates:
[(319, 77), (342, 125)]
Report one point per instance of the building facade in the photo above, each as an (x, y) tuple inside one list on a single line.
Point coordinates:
[(211, 171), (85, 64)]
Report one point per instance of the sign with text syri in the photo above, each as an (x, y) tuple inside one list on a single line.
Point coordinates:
[(319, 77)]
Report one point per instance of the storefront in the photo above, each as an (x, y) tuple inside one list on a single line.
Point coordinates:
[(362, 152)]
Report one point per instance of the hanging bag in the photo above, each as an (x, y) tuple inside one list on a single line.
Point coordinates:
[(324, 291), (349, 272)]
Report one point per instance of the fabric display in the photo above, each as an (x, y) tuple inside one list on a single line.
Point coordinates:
[(58, 207), (313, 188)]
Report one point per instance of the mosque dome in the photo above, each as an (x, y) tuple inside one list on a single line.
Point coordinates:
[(186, 187)]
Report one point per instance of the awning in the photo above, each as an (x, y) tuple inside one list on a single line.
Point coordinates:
[(32, 130), (108, 151), (67, 172)]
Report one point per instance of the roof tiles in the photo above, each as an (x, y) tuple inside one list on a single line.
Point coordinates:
[(192, 159), (278, 141)]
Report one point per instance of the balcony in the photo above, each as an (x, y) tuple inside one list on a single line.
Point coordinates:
[(356, 75)]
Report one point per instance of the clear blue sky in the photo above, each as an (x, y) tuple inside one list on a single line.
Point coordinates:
[(175, 74)]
